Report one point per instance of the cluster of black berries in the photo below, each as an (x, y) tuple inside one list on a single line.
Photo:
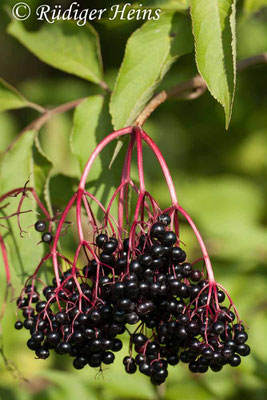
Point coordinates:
[(145, 282), (67, 323)]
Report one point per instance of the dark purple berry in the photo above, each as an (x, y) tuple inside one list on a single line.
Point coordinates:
[(40, 226)]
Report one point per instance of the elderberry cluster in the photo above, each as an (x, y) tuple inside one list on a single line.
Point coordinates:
[(144, 281), (84, 332)]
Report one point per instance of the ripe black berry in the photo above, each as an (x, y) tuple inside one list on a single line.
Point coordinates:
[(165, 219), (157, 250), (240, 337), (177, 254), (169, 238), (40, 226), (53, 338), (243, 350), (79, 362), (37, 336), (207, 353), (235, 360), (145, 369), (218, 328), (63, 348), (40, 306), (173, 359), (117, 345), (195, 275), (42, 353), (216, 367), (47, 237), (157, 230), (146, 260), (18, 325), (187, 269), (101, 239), (139, 339), (109, 247), (108, 357)]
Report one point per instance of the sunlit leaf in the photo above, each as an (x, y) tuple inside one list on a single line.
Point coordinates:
[(65, 46), (10, 98), (149, 53), (15, 171), (214, 31)]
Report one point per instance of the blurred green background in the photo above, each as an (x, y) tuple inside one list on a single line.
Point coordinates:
[(220, 178)]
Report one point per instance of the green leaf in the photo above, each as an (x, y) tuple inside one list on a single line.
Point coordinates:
[(15, 170), (42, 168), (10, 98), (86, 120), (91, 124), (166, 5), (149, 53), (214, 31), (55, 142), (62, 189), (65, 46), (8, 130), (253, 6)]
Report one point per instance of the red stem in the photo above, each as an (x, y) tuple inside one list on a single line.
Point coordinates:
[(163, 165), (5, 258), (123, 193), (54, 246), (171, 187), (201, 243), (98, 149), (140, 159)]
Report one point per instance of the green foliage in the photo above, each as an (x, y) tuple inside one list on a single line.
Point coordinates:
[(10, 98), (252, 38), (149, 53), (91, 119), (16, 169), (64, 46), (42, 168), (220, 178), (85, 123), (167, 5), (214, 32), (8, 130), (19, 157), (253, 6)]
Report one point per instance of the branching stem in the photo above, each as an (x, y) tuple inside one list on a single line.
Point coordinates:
[(191, 89)]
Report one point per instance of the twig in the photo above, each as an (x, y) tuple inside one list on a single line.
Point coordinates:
[(160, 391), (188, 90), (248, 62), (39, 122), (36, 107), (191, 89)]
